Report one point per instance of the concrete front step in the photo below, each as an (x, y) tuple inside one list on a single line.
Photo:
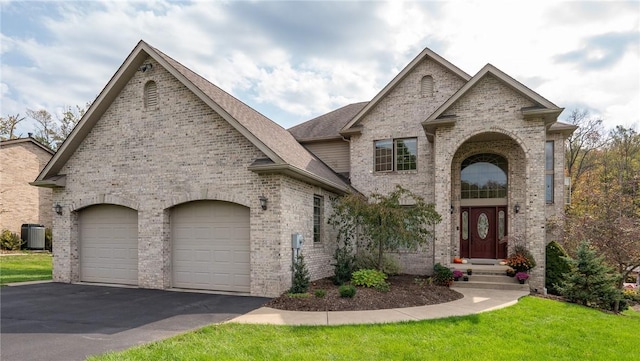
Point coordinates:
[(491, 285)]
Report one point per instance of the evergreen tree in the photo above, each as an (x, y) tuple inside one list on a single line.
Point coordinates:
[(301, 276), (556, 267), (590, 282)]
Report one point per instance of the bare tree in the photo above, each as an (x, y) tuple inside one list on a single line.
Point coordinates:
[(70, 118), (8, 126), (46, 127), (581, 144)]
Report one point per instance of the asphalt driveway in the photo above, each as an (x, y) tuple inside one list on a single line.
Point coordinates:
[(65, 322)]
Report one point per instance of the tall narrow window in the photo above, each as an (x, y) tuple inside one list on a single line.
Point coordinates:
[(318, 205), (150, 95), (384, 155), (548, 167), (426, 86)]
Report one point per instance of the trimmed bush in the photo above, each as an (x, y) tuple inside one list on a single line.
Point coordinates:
[(320, 293), (347, 291), (301, 276), (344, 266), (368, 278), (442, 276), (557, 267), (10, 241)]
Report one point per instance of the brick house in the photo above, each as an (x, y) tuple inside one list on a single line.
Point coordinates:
[(170, 182), (21, 160)]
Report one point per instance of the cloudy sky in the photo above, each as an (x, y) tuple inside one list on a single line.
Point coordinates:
[(296, 60)]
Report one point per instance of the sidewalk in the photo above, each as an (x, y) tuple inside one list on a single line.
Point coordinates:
[(474, 301)]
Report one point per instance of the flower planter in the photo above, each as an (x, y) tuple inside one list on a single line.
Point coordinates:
[(465, 278), (521, 281), (456, 278), (469, 271)]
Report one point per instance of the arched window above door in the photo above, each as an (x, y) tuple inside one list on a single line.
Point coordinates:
[(484, 176)]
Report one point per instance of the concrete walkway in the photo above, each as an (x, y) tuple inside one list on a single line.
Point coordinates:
[(474, 301)]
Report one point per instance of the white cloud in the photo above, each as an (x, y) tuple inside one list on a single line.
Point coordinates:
[(296, 60)]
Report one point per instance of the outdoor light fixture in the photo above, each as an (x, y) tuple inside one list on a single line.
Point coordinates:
[(263, 202), (452, 209), (145, 67), (516, 208), (57, 208)]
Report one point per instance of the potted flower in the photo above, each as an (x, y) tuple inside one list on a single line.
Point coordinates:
[(511, 272), (457, 274), (521, 277), (469, 271), (465, 278)]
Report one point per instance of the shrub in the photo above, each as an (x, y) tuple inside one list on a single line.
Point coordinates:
[(366, 260), (442, 276), (300, 276), (10, 241), (48, 239), (368, 278), (344, 266), (347, 291), (521, 260), (590, 282), (320, 293), (557, 267)]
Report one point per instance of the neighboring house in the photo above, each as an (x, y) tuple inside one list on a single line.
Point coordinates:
[(21, 160), (169, 182)]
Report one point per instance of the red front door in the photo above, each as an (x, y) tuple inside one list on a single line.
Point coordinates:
[(481, 228)]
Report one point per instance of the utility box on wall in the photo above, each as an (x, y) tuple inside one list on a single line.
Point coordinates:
[(296, 240)]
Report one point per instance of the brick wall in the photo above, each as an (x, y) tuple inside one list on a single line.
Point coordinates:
[(153, 159), (20, 163)]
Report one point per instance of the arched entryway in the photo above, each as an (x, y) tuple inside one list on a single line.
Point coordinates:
[(483, 206), (488, 177)]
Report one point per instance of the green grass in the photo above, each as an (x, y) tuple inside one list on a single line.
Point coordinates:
[(534, 329), (22, 268)]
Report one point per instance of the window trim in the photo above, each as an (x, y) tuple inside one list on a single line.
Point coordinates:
[(318, 218), (394, 155)]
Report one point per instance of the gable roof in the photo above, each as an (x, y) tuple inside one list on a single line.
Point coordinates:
[(25, 140), (350, 127), (543, 108), (285, 153), (327, 126)]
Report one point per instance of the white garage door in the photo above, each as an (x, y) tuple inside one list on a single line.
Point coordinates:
[(109, 244), (211, 246)]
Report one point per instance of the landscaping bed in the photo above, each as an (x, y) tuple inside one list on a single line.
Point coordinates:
[(404, 291)]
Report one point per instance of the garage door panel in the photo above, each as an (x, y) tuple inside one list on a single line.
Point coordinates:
[(211, 246), (109, 244)]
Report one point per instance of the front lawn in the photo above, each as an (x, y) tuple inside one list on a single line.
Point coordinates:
[(25, 267), (534, 329)]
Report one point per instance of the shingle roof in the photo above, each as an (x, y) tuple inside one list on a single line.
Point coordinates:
[(276, 142), (326, 126)]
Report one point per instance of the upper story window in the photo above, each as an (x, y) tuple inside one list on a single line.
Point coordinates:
[(426, 86), (150, 95), (396, 154), (548, 171), (483, 176)]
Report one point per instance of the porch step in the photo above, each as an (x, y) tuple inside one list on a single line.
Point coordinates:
[(488, 276), (491, 285)]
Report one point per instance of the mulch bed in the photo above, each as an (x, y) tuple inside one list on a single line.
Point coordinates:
[(405, 291)]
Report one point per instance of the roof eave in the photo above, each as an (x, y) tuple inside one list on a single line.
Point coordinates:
[(299, 174), (431, 126), (548, 116), (59, 181)]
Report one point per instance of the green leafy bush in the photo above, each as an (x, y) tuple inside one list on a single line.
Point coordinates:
[(10, 241), (347, 291), (590, 282), (368, 278), (442, 276), (48, 239), (557, 267), (301, 276), (367, 260), (344, 266), (320, 293)]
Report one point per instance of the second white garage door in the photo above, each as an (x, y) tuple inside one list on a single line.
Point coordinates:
[(210, 248)]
